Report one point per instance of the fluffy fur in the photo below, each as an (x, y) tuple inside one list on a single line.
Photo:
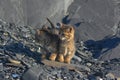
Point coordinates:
[(49, 42), (66, 43), (60, 46)]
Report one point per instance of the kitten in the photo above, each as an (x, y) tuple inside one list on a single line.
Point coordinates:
[(66, 43), (49, 42)]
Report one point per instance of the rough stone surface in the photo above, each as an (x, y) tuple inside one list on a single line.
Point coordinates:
[(33, 73), (33, 13), (97, 25), (110, 76)]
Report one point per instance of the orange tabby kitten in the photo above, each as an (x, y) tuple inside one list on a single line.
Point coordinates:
[(66, 43)]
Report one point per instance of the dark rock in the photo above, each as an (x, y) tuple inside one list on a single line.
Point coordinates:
[(2, 75), (15, 76), (92, 77), (110, 76), (33, 73), (94, 21), (1, 66)]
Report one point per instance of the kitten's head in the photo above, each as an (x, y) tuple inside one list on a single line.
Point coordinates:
[(66, 32), (40, 33)]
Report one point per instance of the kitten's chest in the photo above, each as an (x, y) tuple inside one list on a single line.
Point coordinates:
[(67, 51), (67, 47)]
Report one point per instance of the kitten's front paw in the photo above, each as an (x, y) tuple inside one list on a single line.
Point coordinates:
[(53, 57), (67, 59), (60, 58)]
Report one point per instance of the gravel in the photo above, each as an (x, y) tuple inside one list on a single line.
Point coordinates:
[(17, 42)]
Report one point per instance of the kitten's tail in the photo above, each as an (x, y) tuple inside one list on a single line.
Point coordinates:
[(52, 25)]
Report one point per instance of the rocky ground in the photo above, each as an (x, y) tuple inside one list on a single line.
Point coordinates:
[(20, 59)]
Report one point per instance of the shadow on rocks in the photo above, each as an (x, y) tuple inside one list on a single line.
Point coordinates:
[(20, 48), (67, 20), (102, 46)]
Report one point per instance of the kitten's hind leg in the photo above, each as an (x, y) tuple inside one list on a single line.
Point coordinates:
[(53, 56)]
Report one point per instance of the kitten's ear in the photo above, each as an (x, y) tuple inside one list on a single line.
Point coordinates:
[(62, 25), (71, 29)]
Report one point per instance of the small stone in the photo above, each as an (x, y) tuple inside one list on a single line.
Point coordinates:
[(99, 78), (15, 75), (33, 41), (39, 50), (89, 64), (91, 77), (59, 79), (51, 78), (85, 79), (5, 34), (54, 72), (65, 77), (78, 58), (110, 76), (32, 49), (19, 56), (7, 76), (1, 66), (18, 79)]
